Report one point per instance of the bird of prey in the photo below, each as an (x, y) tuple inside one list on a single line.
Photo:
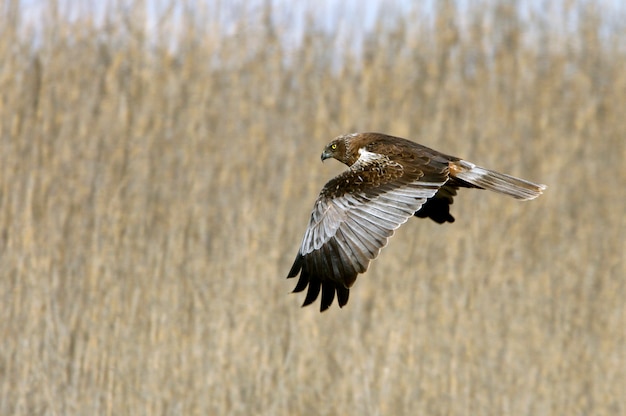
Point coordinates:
[(389, 180)]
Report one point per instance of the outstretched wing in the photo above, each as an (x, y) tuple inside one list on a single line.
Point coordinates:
[(354, 216)]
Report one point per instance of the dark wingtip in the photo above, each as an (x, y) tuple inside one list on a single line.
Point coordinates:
[(302, 284), (295, 268), (313, 292), (328, 295), (314, 285), (343, 293)]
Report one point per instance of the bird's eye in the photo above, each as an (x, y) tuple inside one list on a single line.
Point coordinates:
[(333, 146)]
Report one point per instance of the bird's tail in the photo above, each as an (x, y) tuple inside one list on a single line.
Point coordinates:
[(495, 181)]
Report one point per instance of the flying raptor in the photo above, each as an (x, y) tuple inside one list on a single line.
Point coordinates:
[(389, 180)]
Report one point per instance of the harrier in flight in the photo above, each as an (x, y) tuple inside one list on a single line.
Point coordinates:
[(389, 180)]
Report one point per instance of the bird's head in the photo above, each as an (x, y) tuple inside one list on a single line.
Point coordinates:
[(339, 149)]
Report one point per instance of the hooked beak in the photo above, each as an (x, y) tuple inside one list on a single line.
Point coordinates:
[(325, 155)]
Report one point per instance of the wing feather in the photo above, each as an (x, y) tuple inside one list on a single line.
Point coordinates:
[(343, 294), (358, 248), (349, 256), (390, 215), (338, 253), (312, 292), (328, 294), (303, 281), (376, 236), (353, 242), (371, 240), (381, 228)]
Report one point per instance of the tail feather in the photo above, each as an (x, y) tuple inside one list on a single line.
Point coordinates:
[(495, 181)]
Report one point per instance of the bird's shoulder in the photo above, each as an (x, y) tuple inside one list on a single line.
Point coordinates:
[(370, 174)]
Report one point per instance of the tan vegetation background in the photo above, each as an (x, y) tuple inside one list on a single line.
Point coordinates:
[(156, 177)]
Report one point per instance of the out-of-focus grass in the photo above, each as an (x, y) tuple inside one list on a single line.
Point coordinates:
[(153, 197)]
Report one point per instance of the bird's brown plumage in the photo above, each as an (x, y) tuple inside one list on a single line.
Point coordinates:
[(389, 180)]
